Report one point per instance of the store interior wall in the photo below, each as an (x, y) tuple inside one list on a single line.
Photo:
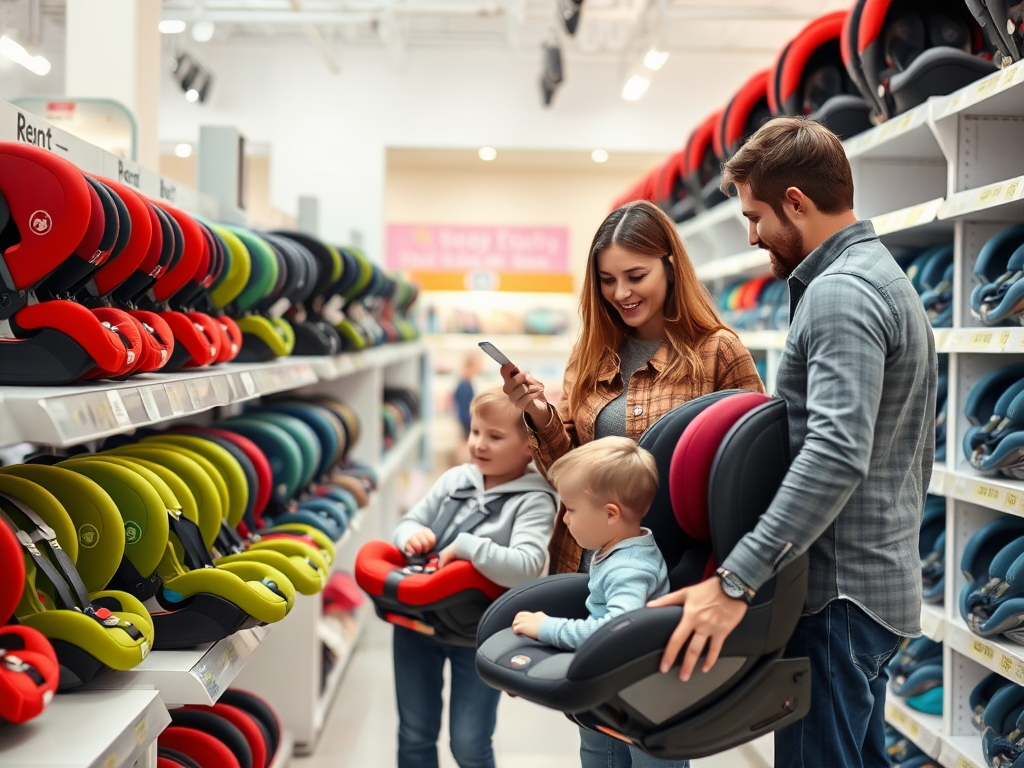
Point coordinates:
[(329, 133)]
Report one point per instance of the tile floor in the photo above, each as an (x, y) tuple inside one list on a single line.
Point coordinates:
[(360, 730)]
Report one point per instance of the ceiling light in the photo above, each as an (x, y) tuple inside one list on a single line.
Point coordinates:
[(192, 95), (599, 156), (487, 153), (202, 31), (171, 26), (655, 59), (635, 87), (16, 53), (183, 150)]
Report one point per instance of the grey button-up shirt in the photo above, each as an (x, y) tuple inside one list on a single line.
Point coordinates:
[(858, 376)]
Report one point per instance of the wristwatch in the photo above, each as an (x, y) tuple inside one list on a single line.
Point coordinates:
[(733, 586)]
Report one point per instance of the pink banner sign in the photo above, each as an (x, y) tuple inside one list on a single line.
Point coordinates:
[(455, 248)]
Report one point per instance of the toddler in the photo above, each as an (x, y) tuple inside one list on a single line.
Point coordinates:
[(606, 487)]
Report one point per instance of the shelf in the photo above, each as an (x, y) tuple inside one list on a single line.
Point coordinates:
[(63, 737), (746, 264), (962, 752), (721, 213), (510, 343), (1000, 201), (933, 622), (340, 366), (400, 453), (992, 492), (988, 96), (326, 699), (904, 136), (997, 654), (922, 729), (763, 340), (285, 749), (193, 676)]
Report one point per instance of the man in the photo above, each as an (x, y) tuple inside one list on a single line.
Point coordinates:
[(858, 376)]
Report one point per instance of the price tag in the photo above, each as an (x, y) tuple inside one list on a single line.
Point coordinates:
[(111, 761), (117, 408), (102, 416), (960, 487), (248, 384), (193, 395), (982, 651), (149, 401), (963, 762), (1011, 501), (981, 340), (220, 389), (142, 732), (986, 493), (172, 397), (1018, 672)]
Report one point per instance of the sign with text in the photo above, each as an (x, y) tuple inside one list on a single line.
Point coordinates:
[(455, 248)]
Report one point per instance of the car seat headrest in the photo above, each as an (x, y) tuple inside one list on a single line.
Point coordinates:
[(264, 269), (187, 260), (140, 230), (236, 276), (746, 112)]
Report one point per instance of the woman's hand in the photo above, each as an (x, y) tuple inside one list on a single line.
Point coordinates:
[(420, 542), (526, 394), (528, 624)]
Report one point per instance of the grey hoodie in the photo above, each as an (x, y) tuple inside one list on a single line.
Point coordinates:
[(508, 549)]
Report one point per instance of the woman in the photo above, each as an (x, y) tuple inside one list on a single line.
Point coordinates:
[(650, 341)]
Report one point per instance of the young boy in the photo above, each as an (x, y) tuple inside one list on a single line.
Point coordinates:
[(509, 546), (606, 487)]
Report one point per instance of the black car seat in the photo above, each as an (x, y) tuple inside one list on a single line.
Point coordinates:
[(726, 454)]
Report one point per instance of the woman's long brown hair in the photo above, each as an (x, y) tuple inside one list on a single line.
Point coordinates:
[(643, 228)]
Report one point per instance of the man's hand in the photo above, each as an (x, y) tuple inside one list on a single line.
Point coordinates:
[(528, 624), (446, 556), (709, 616), (420, 542)]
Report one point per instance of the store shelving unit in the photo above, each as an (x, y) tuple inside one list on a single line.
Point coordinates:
[(938, 173), (116, 720)]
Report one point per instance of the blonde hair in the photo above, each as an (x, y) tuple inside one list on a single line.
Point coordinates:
[(612, 469), (497, 402), (643, 228)]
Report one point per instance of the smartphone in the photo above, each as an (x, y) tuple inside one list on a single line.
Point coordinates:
[(495, 354)]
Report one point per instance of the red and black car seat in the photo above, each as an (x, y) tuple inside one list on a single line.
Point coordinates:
[(702, 167), (724, 457), (409, 590), (910, 50), (1002, 21), (29, 671), (744, 114), (810, 78)]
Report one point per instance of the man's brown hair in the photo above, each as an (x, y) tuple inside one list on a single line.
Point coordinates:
[(793, 152)]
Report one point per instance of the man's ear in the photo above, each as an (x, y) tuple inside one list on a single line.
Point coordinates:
[(796, 200), (613, 511)]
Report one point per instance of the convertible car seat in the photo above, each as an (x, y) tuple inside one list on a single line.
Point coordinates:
[(1003, 24), (670, 192), (92, 629), (29, 670), (313, 334), (916, 674), (703, 169), (1001, 720), (727, 454), (998, 297), (910, 50), (746, 111), (932, 547), (409, 591), (809, 78), (992, 601), (995, 408)]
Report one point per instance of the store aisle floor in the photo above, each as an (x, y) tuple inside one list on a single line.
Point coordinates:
[(360, 730)]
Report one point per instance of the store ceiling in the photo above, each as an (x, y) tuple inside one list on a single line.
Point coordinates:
[(521, 160)]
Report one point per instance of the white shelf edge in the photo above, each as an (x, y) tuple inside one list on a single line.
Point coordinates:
[(64, 736), (326, 699), (350, 363), (763, 340), (730, 266), (924, 730), (933, 622), (285, 750), (875, 138), (400, 453), (978, 92), (994, 493), (191, 676), (998, 655), (978, 199)]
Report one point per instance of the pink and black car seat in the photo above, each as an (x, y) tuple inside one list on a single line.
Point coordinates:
[(409, 591), (809, 78), (722, 457), (902, 52)]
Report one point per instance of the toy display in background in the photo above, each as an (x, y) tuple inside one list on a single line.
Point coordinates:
[(536, 321)]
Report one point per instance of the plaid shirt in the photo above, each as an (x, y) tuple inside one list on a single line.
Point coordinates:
[(858, 376), (727, 365)]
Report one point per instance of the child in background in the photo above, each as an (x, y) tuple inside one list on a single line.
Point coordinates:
[(606, 487), (463, 399), (507, 546)]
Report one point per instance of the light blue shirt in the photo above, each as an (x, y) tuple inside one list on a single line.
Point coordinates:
[(622, 579)]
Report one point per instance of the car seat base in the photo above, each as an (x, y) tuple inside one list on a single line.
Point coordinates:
[(204, 618), (46, 357), (77, 667)]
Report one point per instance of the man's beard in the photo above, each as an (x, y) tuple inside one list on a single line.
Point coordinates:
[(786, 249)]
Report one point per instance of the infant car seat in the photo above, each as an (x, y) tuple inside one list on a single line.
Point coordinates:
[(28, 665), (932, 546), (409, 591), (745, 113), (1003, 24), (910, 50), (999, 293), (729, 453)]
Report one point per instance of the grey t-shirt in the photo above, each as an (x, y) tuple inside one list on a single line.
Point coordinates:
[(634, 354)]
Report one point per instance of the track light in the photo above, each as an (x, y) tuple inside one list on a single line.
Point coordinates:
[(552, 75), (195, 79), (569, 13)]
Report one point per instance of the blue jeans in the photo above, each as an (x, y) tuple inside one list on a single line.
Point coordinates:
[(472, 710), (600, 751), (846, 726)]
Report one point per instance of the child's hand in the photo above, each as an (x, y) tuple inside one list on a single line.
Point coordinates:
[(446, 556), (420, 542), (528, 624)]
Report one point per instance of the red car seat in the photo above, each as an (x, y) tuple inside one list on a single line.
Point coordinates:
[(746, 112)]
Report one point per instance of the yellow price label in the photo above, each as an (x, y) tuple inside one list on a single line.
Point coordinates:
[(960, 487), (111, 761), (986, 492), (983, 651), (1013, 190), (1018, 671), (982, 339), (1004, 337), (963, 762), (986, 87), (1005, 664), (1011, 500)]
